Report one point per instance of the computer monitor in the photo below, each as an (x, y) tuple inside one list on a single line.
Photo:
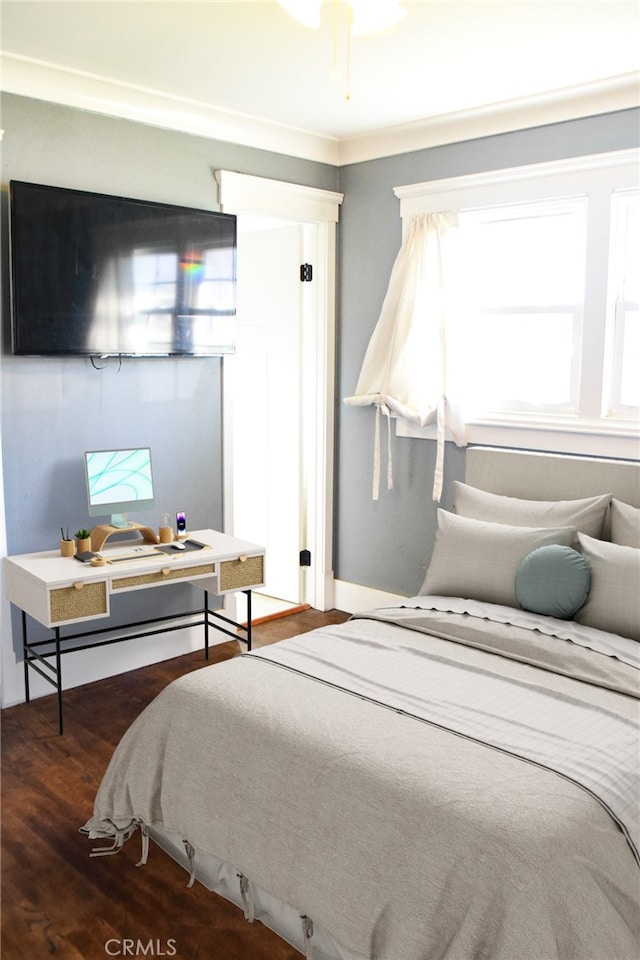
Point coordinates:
[(118, 481)]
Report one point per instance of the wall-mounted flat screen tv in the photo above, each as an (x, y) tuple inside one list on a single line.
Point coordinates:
[(98, 275)]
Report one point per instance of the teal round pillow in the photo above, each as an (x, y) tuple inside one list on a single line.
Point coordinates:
[(553, 580)]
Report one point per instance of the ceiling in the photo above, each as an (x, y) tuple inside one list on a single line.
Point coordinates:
[(246, 72)]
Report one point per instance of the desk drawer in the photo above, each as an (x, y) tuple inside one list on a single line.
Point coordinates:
[(76, 603), (238, 574), (135, 581)]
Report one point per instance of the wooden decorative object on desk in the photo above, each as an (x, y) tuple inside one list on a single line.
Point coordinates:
[(100, 534)]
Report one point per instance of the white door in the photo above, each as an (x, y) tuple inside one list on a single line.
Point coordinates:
[(267, 467), (318, 211)]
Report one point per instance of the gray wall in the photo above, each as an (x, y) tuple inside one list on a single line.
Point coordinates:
[(54, 409), (387, 544)]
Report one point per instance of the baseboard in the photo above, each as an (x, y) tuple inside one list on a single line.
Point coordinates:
[(299, 608), (353, 597)]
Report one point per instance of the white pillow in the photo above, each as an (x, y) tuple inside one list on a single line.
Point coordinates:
[(625, 524), (587, 515), (478, 560), (613, 603)]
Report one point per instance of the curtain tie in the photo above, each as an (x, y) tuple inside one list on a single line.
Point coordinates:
[(438, 473), (382, 407)]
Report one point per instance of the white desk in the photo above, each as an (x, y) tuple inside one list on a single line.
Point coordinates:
[(61, 592)]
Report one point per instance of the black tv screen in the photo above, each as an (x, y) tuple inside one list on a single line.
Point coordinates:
[(97, 275)]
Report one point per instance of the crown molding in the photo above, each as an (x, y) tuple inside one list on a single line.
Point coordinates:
[(43, 81), (72, 88), (570, 103)]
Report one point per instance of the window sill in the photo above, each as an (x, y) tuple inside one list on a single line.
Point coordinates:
[(618, 439)]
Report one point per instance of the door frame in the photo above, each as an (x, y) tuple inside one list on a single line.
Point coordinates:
[(318, 210)]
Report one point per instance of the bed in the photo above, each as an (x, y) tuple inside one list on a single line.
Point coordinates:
[(455, 776)]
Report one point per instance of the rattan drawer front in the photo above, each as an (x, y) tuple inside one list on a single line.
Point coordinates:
[(237, 574), (162, 576), (75, 603)]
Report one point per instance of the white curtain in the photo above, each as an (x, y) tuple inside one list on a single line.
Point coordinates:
[(404, 373)]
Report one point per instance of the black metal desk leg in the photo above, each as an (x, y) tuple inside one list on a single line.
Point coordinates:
[(206, 624), (248, 593), (59, 678), (25, 654)]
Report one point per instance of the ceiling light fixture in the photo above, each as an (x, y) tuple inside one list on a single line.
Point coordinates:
[(359, 17)]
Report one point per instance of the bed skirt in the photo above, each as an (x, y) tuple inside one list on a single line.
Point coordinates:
[(257, 904)]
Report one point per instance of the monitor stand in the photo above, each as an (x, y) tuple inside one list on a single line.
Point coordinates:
[(101, 533)]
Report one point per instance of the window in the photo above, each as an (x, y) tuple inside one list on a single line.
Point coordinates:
[(544, 343), (520, 272)]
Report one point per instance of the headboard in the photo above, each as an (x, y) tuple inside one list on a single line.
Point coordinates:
[(551, 476)]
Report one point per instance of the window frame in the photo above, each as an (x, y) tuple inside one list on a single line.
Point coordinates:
[(597, 177), (619, 306)]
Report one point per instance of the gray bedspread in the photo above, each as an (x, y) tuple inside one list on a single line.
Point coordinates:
[(423, 785)]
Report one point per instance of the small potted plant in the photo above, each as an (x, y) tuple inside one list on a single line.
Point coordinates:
[(83, 540)]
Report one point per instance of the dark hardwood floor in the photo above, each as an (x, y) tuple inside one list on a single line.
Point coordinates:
[(58, 902)]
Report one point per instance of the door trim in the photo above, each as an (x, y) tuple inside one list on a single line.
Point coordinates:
[(318, 210)]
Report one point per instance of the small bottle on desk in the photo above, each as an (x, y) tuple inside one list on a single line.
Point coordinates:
[(165, 532)]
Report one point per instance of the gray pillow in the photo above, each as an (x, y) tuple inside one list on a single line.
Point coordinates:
[(478, 560), (614, 598), (553, 580), (625, 524), (587, 515)]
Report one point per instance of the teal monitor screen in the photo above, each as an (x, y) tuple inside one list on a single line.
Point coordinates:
[(119, 481)]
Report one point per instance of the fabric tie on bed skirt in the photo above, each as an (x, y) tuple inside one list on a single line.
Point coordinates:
[(144, 836), (117, 835), (191, 856), (307, 936), (247, 897)]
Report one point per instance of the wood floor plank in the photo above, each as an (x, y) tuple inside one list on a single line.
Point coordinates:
[(56, 900)]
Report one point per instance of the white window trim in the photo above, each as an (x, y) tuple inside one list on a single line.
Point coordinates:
[(577, 176), (517, 184)]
